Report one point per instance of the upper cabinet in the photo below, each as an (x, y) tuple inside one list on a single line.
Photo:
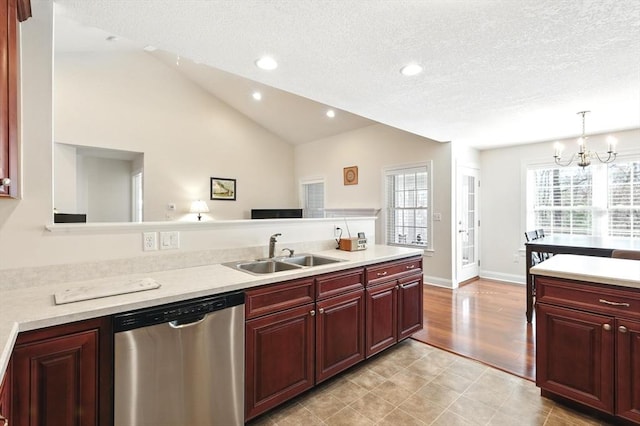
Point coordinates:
[(11, 11)]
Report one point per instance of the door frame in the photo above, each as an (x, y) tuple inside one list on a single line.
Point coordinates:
[(464, 273)]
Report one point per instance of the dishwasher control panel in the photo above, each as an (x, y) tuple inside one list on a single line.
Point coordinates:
[(175, 311)]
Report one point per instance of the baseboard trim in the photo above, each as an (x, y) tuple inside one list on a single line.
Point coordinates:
[(440, 282), (499, 276)]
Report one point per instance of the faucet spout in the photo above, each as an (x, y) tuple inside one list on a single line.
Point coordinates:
[(272, 245)]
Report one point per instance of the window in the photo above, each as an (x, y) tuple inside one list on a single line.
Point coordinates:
[(599, 200), (313, 198), (408, 206)]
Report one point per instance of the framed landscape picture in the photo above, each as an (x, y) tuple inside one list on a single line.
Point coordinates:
[(223, 189)]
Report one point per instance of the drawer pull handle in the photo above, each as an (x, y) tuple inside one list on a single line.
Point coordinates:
[(411, 267), (321, 310), (606, 327), (606, 302), (622, 329), (312, 313), (382, 274)]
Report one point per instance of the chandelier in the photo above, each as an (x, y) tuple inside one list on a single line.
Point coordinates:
[(584, 155)]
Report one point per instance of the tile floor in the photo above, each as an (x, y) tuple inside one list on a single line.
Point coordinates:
[(417, 384)]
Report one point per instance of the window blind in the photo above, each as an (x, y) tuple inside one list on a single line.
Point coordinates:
[(407, 211), (313, 194)]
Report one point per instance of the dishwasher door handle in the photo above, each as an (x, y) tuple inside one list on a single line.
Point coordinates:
[(180, 324)]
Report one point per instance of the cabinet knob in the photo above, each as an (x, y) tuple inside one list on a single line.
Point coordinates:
[(381, 274), (5, 182), (606, 327), (411, 267), (321, 311), (312, 313), (622, 329), (397, 287)]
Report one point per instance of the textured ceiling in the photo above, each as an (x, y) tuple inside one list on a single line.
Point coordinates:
[(495, 72)]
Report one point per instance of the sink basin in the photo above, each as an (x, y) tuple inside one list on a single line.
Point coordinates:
[(269, 266), (309, 260), (265, 266)]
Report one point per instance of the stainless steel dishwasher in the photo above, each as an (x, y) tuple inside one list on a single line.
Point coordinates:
[(181, 363)]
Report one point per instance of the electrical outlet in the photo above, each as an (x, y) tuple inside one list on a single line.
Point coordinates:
[(149, 241)]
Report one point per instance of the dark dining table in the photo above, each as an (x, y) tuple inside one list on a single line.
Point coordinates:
[(572, 244)]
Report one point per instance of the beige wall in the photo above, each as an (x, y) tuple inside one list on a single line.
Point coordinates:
[(131, 101), (503, 199), (372, 149)]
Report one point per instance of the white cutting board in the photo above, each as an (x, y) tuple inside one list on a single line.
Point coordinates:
[(95, 292)]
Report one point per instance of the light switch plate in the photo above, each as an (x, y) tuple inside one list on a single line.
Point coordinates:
[(169, 240)]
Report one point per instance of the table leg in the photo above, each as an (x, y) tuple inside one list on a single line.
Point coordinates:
[(529, 285)]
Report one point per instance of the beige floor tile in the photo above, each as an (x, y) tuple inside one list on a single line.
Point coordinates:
[(422, 408), (347, 391), (437, 394), (348, 417), (366, 378), (372, 406), (451, 419), (391, 392), (452, 381), (297, 415), (475, 412), (323, 405), (502, 419), (408, 380), (425, 368), (467, 368), (386, 367), (486, 393), (440, 358), (399, 417)]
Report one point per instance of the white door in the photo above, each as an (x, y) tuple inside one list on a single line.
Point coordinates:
[(467, 224)]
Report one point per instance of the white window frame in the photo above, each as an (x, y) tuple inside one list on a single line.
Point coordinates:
[(389, 170), (303, 194), (600, 197)]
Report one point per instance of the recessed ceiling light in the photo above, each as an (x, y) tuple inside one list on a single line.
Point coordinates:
[(331, 113), (266, 63), (411, 69), (149, 48), (257, 96)]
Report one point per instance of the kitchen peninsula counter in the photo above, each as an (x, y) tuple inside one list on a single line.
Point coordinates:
[(34, 308), (599, 270)]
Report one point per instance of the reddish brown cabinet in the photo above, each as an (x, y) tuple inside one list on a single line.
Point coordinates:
[(279, 344), (5, 397), (394, 303), (62, 375), (10, 12), (339, 322), (588, 344)]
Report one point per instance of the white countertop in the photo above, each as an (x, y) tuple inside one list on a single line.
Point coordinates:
[(33, 308), (602, 270)]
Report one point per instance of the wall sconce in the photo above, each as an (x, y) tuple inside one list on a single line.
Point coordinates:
[(199, 207)]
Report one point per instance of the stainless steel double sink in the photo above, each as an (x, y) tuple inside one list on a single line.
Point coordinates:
[(278, 264)]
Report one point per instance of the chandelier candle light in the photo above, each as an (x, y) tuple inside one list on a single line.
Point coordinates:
[(584, 155)]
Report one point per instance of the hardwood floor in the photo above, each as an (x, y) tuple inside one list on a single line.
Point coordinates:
[(483, 320)]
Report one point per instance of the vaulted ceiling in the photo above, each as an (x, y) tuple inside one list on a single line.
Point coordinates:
[(495, 72)]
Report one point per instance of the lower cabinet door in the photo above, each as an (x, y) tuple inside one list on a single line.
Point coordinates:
[(279, 358), (55, 381), (628, 369), (382, 317), (5, 397), (410, 313), (340, 333), (574, 355)]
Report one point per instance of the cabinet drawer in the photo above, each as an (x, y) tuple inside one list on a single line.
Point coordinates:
[(273, 298), (394, 269), (597, 298), (341, 282)]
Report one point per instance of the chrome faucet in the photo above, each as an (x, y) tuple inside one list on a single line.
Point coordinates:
[(272, 245)]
